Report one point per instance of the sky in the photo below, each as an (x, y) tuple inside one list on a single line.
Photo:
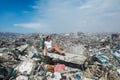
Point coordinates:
[(59, 16)]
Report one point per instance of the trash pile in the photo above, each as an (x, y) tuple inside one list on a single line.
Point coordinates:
[(22, 58)]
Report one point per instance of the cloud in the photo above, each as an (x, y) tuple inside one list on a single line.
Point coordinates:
[(85, 7), (76, 15), (35, 7), (29, 25)]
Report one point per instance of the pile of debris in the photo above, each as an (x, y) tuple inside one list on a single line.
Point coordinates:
[(24, 59)]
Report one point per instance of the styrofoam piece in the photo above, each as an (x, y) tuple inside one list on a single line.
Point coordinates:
[(1, 54), (23, 47), (57, 76), (25, 67), (118, 70), (21, 77)]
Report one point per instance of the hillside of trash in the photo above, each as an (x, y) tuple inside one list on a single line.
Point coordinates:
[(88, 56)]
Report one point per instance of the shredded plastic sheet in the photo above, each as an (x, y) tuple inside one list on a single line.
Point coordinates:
[(59, 67)]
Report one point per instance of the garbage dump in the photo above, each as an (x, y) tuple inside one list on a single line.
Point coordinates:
[(88, 56)]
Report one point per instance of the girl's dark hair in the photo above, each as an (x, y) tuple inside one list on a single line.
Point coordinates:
[(47, 37)]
